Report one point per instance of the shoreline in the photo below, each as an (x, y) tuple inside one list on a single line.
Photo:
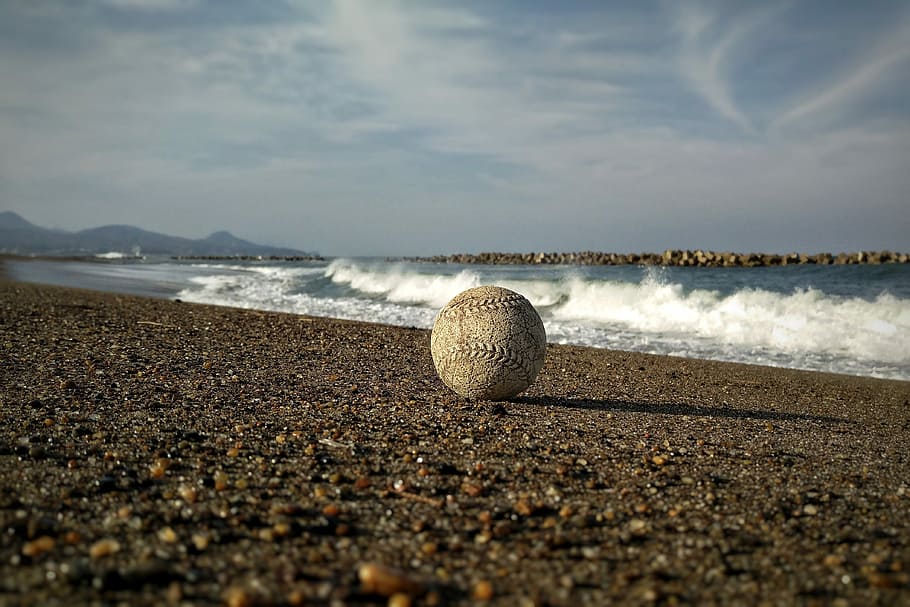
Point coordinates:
[(217, 455), (51, 271)]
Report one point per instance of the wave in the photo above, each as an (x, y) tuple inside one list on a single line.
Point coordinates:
[(295, 290), (803, 321), (649, 312), (396, 283), (748, 324)]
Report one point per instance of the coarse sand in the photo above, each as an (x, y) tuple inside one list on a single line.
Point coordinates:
[(157, 452)]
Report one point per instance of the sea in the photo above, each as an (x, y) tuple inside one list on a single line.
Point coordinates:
[(843, 319)]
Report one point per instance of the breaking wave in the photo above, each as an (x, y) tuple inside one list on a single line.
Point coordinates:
[(645, 311)]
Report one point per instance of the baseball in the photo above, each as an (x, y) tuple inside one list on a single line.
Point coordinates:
[(488, 343)]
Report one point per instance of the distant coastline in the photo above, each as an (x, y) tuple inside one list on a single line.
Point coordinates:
[(670, 257), (248, 257), (19, 236)]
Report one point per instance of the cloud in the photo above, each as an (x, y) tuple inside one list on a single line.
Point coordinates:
[(709, 46), (447, 78), (331, 121), (149, 5), (886, 62)]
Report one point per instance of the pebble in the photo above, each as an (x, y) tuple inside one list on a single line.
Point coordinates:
[(237, 597), (221, 481), (167, 535), (523, 508), (399, 599), (201, 541), (386, 581), (39, 546), (483, 591), (638, 527), (189, 494), (104, 547)]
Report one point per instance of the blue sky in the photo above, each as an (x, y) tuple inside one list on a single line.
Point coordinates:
[(386, 128)]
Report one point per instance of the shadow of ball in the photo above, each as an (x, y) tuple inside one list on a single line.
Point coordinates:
[(488, 343)]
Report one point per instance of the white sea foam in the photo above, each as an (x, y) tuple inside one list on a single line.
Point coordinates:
[(803, 321), (804, 328), (397, 284), (281, 289)]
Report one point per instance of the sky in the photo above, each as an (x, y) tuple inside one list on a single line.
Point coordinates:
[(408, 128)]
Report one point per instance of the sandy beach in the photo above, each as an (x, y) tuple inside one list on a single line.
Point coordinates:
[(159, 452)]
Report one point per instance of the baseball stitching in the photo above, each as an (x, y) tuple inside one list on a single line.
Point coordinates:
[(488, 352)]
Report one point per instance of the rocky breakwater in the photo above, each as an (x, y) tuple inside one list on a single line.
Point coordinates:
[(671, 257)]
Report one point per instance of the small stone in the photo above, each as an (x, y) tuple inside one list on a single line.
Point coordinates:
[(221, 481), (523, 508), (483, 591), (189, 494), (167, 535), (399, 599), (103, 548), (237, 597), (638, 527), (590, 552), (201, 541), (472, 489), (174, 593), (429, 548), (810, 510), (159, 467), (39, 546), (882, 580), (385, 581)]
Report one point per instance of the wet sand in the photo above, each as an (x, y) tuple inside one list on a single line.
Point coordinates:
[(157, 452)]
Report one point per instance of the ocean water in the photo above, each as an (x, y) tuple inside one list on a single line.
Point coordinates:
[(841, 319)]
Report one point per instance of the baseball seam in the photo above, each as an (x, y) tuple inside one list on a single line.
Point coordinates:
[(488, 352), (491, 303)]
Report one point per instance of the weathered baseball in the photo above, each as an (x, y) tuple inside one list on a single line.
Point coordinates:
[(488, 343)]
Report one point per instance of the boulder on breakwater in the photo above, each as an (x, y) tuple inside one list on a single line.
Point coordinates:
[(671, 257)]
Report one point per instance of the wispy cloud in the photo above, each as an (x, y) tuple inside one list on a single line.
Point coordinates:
[(710, 47), (888, 61), (446, 75), (149, 5), (573, 127)]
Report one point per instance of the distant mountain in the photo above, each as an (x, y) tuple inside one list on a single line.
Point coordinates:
[(11, 221), (20, 236)]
